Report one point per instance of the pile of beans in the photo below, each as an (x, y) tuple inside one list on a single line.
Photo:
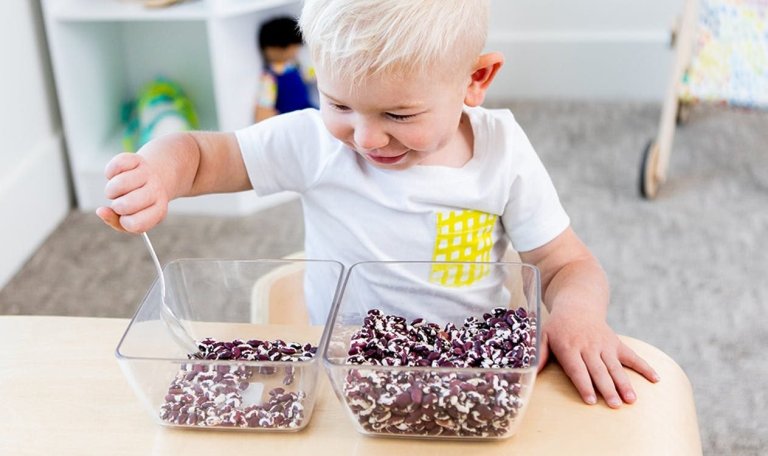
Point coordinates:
[(439, 402), (255, 350), (212, 394)]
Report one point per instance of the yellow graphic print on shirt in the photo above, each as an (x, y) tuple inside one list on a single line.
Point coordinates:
[(462, 236)]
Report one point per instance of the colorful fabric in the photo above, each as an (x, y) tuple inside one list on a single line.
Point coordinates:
[(730, 55)]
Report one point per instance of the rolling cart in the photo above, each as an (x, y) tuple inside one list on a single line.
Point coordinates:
[(721, 55)]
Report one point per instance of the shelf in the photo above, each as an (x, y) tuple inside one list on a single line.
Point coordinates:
[(96, 159), (229, 8), (133, 10), (114, 10), (207, 46)]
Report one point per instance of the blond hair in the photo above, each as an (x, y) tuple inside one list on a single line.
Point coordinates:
[(355, 39)]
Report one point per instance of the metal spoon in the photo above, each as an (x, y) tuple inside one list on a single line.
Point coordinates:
[(172, 322)]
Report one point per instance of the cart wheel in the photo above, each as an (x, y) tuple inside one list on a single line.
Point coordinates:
[(649, 181), (683, 112)]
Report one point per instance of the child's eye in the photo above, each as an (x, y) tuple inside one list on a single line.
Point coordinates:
[(339, 107), (400, 117)]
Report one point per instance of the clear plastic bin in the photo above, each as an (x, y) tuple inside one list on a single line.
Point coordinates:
[(427, 395), (267, 347)]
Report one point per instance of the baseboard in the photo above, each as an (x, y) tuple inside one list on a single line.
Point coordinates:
[(582, 65), (34, 199)]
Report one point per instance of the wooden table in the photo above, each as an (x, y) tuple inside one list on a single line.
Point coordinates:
[(63, 393)]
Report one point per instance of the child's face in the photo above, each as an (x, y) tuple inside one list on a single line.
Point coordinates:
[(396, 123)]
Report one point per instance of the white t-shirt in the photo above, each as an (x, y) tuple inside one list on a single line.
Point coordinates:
[(354, 211)]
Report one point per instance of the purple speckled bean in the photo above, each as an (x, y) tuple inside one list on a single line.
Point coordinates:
[(210, 395), (439, 403)]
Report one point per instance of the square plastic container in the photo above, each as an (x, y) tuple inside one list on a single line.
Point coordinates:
[(261, 372), (404, 360)]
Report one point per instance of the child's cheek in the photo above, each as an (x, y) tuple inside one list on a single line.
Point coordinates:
[(335, 126), (419, 139)]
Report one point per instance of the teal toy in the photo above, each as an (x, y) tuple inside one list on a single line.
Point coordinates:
[(161, 107)]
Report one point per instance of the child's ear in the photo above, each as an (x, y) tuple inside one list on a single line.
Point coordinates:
[(482, 75)]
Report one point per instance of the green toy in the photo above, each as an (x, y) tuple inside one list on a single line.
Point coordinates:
[(161, 107)]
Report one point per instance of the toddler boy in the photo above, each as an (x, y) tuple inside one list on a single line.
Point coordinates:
[(399, 158)]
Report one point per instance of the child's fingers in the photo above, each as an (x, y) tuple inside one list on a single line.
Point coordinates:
[(620, 378), (121, 163), (110, 218), (144, 220), (576, 370), (135, 207), (629, 358), (124, 183), (134, 202), (603, 380)]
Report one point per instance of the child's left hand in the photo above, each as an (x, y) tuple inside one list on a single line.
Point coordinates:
[(576, 290), (592, 356)]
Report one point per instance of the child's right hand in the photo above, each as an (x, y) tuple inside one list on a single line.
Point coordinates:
[(139, 198)]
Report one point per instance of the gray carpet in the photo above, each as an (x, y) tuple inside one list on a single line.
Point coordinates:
[(687, 270)]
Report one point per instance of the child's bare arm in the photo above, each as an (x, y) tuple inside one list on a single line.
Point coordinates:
[(184, 164), (575, 289)]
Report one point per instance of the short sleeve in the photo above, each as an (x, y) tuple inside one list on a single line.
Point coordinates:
[(285, 152), (533, 215)]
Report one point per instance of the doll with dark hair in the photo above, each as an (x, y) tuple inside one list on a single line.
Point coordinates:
[(283, 87)]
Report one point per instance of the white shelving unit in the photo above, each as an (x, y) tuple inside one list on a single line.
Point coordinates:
[(103, 51)]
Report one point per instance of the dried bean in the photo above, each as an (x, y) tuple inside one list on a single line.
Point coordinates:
[(210, 395), (439, 403)]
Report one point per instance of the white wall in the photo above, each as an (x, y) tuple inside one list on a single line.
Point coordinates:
[(582, 49), (34, 191)]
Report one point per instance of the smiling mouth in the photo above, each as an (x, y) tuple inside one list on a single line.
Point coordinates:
[(385, 160)]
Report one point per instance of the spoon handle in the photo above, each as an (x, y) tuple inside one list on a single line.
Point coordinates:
[(172, 322)]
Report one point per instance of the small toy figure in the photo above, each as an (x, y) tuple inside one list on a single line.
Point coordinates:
[(283, 86)]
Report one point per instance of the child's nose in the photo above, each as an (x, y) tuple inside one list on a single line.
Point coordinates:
[(369, 136)]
